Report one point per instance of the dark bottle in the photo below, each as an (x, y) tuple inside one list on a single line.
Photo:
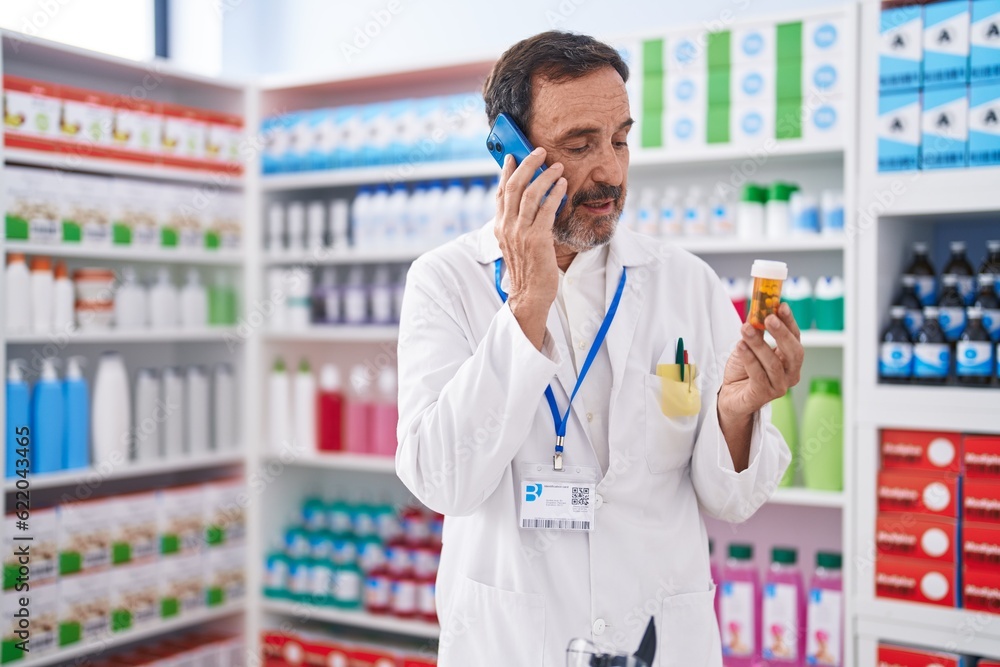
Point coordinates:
[(988, 300), (974, 361), (922, 269), (908, 299), (931, 352), (951, 308), (959, 265), (992, 262), (895, 365)]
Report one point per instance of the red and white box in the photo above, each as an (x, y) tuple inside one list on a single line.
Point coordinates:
[(981, 589), (981, 501), (325, 652), (917, 536), (981, 455), (282, 650), (921, 450), (981, 546), (920, 492), (916, 580), (419, 662), (988, 663), (371, 656), (897, 656)]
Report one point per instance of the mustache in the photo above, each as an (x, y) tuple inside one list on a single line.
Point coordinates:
[(598, 193)]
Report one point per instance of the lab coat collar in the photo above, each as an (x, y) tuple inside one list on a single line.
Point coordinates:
[(626, 248)]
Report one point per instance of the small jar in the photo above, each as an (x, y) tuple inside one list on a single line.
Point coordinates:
[(766, 296)]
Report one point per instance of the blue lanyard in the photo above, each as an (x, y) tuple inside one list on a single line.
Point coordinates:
[(562, 420)]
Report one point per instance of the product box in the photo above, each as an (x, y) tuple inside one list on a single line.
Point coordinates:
[(42, 610), (84, 536), (86, 210), (135, 213), (984, 124), (981, 454), (822, 79), (181, 519), (753, 45), (225, 580), (87, 119), (984, 54), (225, 514), (223, 135), (684, 130), (981, 589), (31, 111), (136, 127), (184, 210), (921, 450), (917, 536), (823, 37), (84, 607), (687, 91), (319, 650), (224, 229), (901, 47), (981, 501), (372, 656), (916, 580), (135, 532), (281, 648), (275, 135), (182, 584), (33, 211), (135, 595), (945, 128), (921, 492), (823, 120), (686, 51), (43, 527), (946, 42), (981, 546), (753, 85), (898, 656), (899, 127), (751, 125)]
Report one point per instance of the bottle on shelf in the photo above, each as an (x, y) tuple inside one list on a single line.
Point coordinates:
[(315, 226), (784, 419), (355, 297), (832, 212), (975, 361), (380, 296), (777, 209), (825, 613), (378, 208), (41, 295), (48, 420), (721, 219), (798, 294), (360, 207), (896, 350), (221, 300), (751, 214), (18, 288), (989, 302), (357, 413), (304, 406), (951, 308), (296, 221), (18, 416), (991, 263), (931, 351), (279, 405), (223, 408), (828, 305), (695, 213), (63, 300), (822, 443), (277, 295), (451, 210), (194, 302), (397, 225), (196, 411), (804, 214), (326, 298), (164, 304), (923, 272), (147, 396), (385, 414), (472, 205), (671, 213), (340, 224), (298, 309), (910, 302), (171, 429), (647, 217), (130, 302), (330, 410), (716, 578), (275, 227), (958, 265), (111, 411), (783, 610), (738, 608)]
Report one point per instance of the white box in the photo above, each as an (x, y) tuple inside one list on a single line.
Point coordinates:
[(753, 45), (135, 212), (135, 595), (136, 127), (87, 119), (823, 38), (87, 207), (184, 210), (225, 515), (822, 78), (751, 124), (984, 130), (43, 556), (225, 575), (946, 43), (824, 122), (32, 112), (684, 130), (687, 91), (135, 536), (752, 84), (84, 607), (33, 210), (182, 582), (225, 219), (686, 51), (181, 519), (41, 604), (84, 536), (944, 141)]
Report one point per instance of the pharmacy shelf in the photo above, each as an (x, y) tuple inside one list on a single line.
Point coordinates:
[(708, 245), (191, 621), (128, 253), (354, 619), (95, 476), (341, 461), (931, 626), (381, 174), (811, 338), (947, 408), (117, 167), (725, 153), (332, 257), (113, 336), (938, 192), (807, 498), (337, 333)]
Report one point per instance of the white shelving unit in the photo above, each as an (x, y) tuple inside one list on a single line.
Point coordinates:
[(120, 254), (355, 619), (116, 336)]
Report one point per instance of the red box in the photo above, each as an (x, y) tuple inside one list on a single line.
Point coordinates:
[(369, 656), (981, 589), (897, 656), (917, 536), (920, 492), (916, 580), (988, 663), (282, 650), (325, 652), (921, 450), (419, 662), (981, 546), (981, 455), (982, 501)]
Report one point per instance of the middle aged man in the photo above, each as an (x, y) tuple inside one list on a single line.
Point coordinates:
[(493, 319)]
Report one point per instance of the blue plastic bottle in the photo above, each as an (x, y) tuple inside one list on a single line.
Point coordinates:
[(77, 397), (931, 352), (18, 403), (48, 420), (896, 351)]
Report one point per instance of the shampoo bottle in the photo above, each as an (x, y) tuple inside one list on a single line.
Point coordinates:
[(130, 302), (385, 415), (18, 285), (196, 399), (330, 410), (41, 295), (172, 445), (194, 302), (147, 395), (356, 418), (112, 411), (739, 607), (783, 611), (305, 409), (224, 408), (48, 420), (63, 301), (18, 415), (163, 302), (76, 395), (279, 422)]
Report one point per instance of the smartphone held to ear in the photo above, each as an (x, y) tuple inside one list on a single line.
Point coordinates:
[(506, 138)]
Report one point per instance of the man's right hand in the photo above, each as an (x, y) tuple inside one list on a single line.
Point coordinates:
[(524, 230)]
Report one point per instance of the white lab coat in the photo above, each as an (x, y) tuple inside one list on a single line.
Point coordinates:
[(472, 410)]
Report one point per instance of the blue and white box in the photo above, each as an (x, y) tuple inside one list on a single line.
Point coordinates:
[(944, 141), (753, 45), (984, 124), (823, 38), (984, 56), (946, 43), (901, 48), (899, 130)]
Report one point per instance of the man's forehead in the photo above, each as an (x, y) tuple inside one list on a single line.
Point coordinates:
[(566, 106)]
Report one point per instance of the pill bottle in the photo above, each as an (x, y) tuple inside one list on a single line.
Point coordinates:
[(767, 278)]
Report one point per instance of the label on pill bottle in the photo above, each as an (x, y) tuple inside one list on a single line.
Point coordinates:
[(931, 360), (974, 359), (896, 360)]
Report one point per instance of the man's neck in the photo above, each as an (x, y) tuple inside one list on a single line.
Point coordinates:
[(564, 257)]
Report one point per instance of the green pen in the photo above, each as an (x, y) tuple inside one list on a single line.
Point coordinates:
[(679, 357)]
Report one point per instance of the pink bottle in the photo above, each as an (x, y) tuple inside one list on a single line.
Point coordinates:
[(385, 415), (783, 611), (825, 613), (329, 410), (357, 413), (739, 607), (714, 569)]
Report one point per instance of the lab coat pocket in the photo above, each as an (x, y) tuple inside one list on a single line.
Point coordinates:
[(482, 623), (669, 441), (688, 632)]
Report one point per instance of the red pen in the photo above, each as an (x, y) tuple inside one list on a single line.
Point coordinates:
[(685, 357)]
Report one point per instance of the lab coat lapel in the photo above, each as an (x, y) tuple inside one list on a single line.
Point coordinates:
[(625, 253)]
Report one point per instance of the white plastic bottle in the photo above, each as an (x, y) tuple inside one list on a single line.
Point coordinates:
[(648, 221), (315, 226), (431, 213), (340, 223), (398, 289), (18, 301), (360, 208), (111, 421), (778, 210), (196, 410), (172, 447), (671, 214), (695, 213), (355, 297), (375, 234), (721, 221), (130, 302), (277, 296), (451, 209), (223, 408), (275, 227), (163, 302), (194, 302), (750, 212), (296, 226), (41, 295), (832, 212), (418, 221), (279, 404), (381, 296), (298, 283), (804, 210), (397, 212), (472, 205), (147, 426), (63, 300), (304, 404)]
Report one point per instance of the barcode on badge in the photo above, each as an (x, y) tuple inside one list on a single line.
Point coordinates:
[(581, 496), (555, 524)]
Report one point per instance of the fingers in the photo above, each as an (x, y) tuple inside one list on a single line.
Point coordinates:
[(767, 358), (752, 365), (547, 211), (789, 348), (786, 316), (531, 199), (505, 173)]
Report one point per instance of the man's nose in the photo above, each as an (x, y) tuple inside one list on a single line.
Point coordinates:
[(608, 169)]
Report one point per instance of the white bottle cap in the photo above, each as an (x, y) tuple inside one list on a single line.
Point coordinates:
[(15, 370), (387, 383), (957, 246), (764, 268), (897, 312), (993, 246), (930, 311), (49, 369), (920, 247), (74, 367), (949, 279), (360, 381), (974, 312), (329, 378), (986, 279)]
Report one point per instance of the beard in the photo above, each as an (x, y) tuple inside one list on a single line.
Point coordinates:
[(579, 231)]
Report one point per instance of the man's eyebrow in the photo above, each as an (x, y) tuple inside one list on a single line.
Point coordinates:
[(585, 131)]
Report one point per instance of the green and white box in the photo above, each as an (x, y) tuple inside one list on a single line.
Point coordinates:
[(135, 595), (35, 612), (84, 536), (43, 527), (33, 208), (181, 519), (753, 45), (182, 581), (135, 534), (225, 580), (84, 607)]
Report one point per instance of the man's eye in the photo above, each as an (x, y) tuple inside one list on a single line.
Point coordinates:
[(577, 151), (621, 144)]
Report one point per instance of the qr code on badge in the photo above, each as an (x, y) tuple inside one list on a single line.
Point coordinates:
[(581, 496)]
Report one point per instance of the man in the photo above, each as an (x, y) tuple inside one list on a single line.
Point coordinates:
[(621, 537)]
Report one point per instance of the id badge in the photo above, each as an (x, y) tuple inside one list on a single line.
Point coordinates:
[(552, 500)]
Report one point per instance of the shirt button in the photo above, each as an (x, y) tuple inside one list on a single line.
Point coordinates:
[(598, 501), (599, 627), (581, 345), (590, 416)]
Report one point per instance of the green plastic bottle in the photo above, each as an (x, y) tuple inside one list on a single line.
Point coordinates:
[(783, 417), (822, 444)]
